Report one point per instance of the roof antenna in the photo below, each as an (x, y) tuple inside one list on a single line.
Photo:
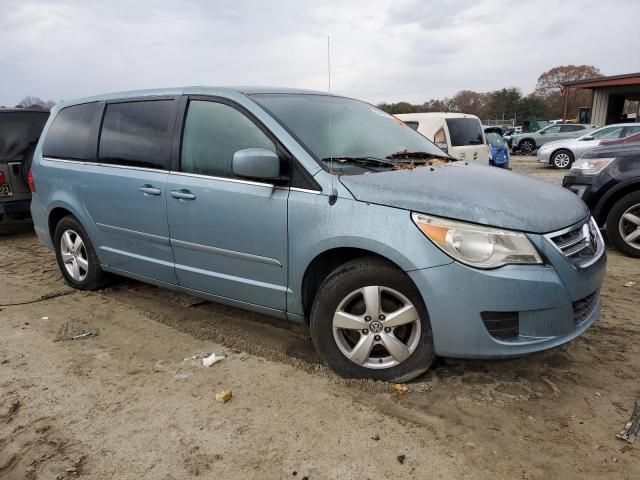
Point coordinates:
[(333, 196)]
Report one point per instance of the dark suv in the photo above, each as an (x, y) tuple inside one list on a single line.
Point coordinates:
[(20, 130), (608, 180)]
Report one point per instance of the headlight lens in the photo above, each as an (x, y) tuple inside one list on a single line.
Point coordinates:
[(591, 166), (475, 245)]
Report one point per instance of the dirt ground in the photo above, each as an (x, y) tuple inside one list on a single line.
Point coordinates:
[(134, 402)]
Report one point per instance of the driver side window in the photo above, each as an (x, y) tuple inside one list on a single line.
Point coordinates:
[(213, 132), (554, 129)]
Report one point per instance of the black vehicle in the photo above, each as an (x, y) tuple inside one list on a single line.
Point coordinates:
[(608, 180), (20, 130)]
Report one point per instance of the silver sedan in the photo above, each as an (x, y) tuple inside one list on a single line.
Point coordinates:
[(562, 153)]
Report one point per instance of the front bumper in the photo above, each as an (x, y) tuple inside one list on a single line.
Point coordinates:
[(544, 155), (546, 301)]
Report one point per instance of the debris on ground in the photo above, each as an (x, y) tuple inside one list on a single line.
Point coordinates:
[(631, 430), (87, 334), (224, 396), (401, 459), (630, 284), (375, 438), (401, 389), (211, 359)]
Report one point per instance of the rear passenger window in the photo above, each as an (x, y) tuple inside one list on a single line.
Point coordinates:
[(570, 128), (137, 134), (69, 136), (213, 132)]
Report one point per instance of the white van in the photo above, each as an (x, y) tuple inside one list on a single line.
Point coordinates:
[(459, 134)]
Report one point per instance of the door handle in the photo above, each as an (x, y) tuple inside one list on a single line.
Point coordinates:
[(149, 190), (183, 194)]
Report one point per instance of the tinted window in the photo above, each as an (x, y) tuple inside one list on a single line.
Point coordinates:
[(570, 128), (213, 132), (70, 134), (413, 125), (494, 139), (19, 131), (464, 131), (607, 133), (138, 133), (632, 130)]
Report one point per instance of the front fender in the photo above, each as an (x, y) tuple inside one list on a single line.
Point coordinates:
[(315, 227)]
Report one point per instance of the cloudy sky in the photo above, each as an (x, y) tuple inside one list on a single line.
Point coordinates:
[(382, 50)]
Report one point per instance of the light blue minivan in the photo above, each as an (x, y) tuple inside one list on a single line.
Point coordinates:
[(318, 208)]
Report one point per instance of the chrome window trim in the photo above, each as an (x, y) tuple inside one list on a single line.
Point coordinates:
[(600, 247), (185, 174), (62, 160), (305, 190), (224, 179)]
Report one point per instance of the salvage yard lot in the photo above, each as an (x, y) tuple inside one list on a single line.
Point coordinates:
[(134, 401)]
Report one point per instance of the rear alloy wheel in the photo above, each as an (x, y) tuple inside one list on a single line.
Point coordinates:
[(368, 320), (527, 146), (76, 256), (562, 159), (623, 225)]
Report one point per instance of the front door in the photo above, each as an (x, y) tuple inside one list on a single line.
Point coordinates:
[(125, 190), (229, 235)]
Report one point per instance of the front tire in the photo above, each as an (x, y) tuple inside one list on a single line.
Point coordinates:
[(623, 225), (562, 159), (527, 146), (368, 320), (76, 256)]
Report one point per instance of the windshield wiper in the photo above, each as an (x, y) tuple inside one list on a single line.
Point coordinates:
[(364, 160)]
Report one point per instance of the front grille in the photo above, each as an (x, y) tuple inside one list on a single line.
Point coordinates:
[(502, 325), (582, 245), (582, 308)]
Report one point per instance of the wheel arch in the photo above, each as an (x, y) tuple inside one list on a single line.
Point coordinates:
[(612, 196), (326, 262)]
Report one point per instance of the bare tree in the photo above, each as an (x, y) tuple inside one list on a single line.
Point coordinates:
[(31, 101), (550, 89)]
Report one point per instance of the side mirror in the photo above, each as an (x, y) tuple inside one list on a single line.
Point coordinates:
[(256, 163), (587, 138), (542, 132)]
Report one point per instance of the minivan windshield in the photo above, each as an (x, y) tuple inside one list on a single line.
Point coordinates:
[(464, 131), (355, 131)]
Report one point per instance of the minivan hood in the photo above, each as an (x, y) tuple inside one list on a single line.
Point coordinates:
[(473, 193)]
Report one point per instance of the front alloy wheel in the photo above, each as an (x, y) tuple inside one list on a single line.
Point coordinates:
[(623, 224), (527, 147), (368, 320), (376, 327), (629, 226), (562, 159)]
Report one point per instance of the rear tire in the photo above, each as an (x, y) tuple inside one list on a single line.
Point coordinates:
[(562, 159), (76, 256), (354, 343), (623, 225)]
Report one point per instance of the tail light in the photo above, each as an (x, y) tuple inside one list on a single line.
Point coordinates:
[(31, 181), (440, 139), (3, 179)]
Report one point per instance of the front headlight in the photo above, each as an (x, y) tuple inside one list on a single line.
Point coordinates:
[(591, 166), (475, 245)]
